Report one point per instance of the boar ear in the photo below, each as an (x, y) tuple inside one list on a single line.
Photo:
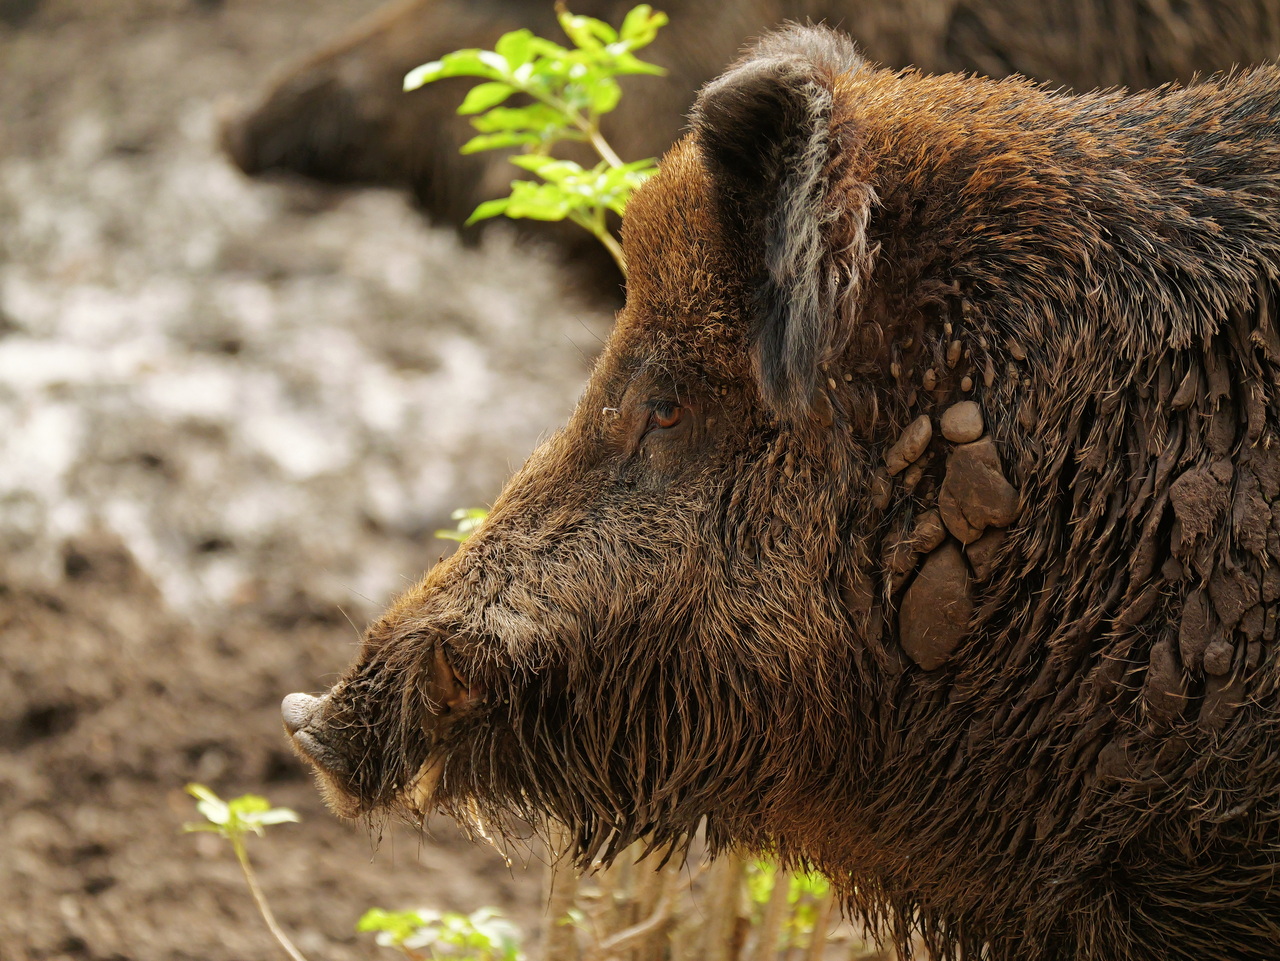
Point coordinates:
[(763, 133)]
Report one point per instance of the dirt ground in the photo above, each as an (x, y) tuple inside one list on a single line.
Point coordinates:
[(231, 416)]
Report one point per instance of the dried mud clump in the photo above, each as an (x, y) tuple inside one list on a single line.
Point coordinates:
[(976, 503), (936, 609), (920, 523), (962, 422), (975, 493)]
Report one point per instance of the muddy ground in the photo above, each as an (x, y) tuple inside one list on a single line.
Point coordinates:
[(231, 416)]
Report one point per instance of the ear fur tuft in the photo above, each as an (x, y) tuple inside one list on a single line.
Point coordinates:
[(763, 132)]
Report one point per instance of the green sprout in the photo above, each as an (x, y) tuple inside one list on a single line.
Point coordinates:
[(234, 820), (483, 935), (570, 90), (785, 904), (468, 518)]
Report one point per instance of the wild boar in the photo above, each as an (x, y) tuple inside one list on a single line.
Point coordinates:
[(919, 523), (341, 116)]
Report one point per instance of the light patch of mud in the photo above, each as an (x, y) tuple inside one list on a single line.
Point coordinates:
[(272, 395)]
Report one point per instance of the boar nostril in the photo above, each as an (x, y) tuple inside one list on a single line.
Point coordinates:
[(296, 709)]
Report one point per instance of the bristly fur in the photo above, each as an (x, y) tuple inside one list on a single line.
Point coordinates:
[(678, 617)]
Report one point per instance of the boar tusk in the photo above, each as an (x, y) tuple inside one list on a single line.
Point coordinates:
[(421, 793)]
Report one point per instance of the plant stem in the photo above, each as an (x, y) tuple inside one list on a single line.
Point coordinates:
[(626, 939), (600, 230), (774, 913), (602, 146), (264, 909), (614, 248), (591, 128), (559, 941), (818, 937), (720, 930)]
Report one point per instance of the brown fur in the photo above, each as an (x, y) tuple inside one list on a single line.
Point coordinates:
[(659, 625), (340, 115)]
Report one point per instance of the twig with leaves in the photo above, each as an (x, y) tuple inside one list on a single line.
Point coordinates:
[(235, 820), (424, 934), (570, 90)]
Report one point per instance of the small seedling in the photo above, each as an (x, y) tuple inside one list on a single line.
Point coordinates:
[(787, 907), (468, 518), (426, 935), (569, 91), (235, 820)]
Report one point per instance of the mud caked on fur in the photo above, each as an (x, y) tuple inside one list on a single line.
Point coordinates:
[(919, 522)]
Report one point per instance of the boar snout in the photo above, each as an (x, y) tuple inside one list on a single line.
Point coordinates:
[(297, 710), (370, 741), (303, 717)]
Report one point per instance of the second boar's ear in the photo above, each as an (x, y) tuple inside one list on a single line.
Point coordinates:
[(763, 129)]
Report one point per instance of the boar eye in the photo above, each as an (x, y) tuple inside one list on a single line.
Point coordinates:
[(663, 415)]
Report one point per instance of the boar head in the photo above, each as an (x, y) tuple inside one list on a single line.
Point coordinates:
[(648, 629)]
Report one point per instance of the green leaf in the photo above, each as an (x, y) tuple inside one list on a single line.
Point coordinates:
[(574, 917), (399, 924), (201, 793), (248, 805), (605, 96), (496, 141), (641, 25), (215, 810), (231, 819), (422, 75), (494, 61), (532, 117), (551, 51), (469, 518), (549, 168), (485, 95), (587, 33), (532, 162), (538, 201), (515, 47), (550, 211), (626, 64), (461, 63), (570, 87), (490, 208), (485, 933), (278, 816)]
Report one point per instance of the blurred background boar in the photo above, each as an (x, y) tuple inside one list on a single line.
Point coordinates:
[(918, 522), (341, 115)]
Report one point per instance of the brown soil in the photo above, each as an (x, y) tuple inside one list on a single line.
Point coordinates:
[(231, 414)]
